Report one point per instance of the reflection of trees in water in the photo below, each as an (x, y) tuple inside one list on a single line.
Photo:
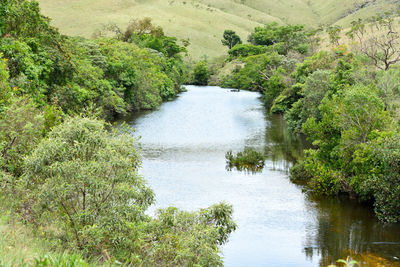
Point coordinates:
[(344, 228), (341, 227), (282, 147)]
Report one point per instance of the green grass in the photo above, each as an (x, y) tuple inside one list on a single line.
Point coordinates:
[(18, 245), (21, 246), (203, 21)]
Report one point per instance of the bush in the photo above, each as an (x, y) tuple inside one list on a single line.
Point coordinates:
[(5, 92), (188, 238), (260, 73), (314, 89), (201, 73), (83, 179), (289, 37), (249, 159), (106, 75), (22, 126), (299, 173), (245, 50), (377, 176), (324, 180), (62, 260)]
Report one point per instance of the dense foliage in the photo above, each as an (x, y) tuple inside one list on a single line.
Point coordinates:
[(201, 73), (68, 175), (107, 75), (284, 38), (345, 100)]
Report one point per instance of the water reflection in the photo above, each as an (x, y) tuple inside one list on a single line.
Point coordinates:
[(346, 228), (282, 147), (341, 227), (184, 145)]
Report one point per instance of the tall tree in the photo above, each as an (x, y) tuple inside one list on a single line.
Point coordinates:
[(287, 37), (230, 39)]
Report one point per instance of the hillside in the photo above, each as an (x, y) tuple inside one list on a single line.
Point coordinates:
[(203, 21)]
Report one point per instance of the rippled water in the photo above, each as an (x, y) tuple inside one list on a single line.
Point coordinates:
[(184, 145)]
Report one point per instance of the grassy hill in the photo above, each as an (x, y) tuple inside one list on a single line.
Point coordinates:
[(203, 21)]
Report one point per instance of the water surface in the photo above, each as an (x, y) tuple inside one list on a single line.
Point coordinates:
[(184, 145)]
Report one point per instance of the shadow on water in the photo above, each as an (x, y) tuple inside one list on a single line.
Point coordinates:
[(344, 227), (282, 146), (347, 228)]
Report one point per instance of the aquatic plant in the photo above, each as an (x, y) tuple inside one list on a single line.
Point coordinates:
[(346, 263), (249, 159)]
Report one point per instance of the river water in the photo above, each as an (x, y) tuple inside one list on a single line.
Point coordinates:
[(184, 144)]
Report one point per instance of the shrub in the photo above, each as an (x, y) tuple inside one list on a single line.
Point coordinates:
[(83, 179), (324, 180), (201, 73), (245, 50), (188, 238), (22, 126), (62, 260), (299, 173), (249, 159), (377, 176)]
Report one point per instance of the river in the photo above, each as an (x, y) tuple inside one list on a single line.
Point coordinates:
[(184, 144)]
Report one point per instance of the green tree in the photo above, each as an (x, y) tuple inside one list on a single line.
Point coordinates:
[(361, 111), (388, 84), (334, 34), (349, 120), (314, 90), (245, 50), (22, 126), (285, 38), (201, 73), (22, 19), (83, 179), (189, 238), (230, 39), (376, 174)]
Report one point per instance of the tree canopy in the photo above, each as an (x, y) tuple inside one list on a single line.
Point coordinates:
[(230, 39)]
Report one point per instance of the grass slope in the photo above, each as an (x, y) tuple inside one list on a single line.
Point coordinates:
[(203, 21), (20, 246)]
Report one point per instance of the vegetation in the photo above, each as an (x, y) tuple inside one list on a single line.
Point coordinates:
[(284, 38), (80, 75), (345, 100), (230, 39), (71, 181), (346, 263), (249, 159), (201, 73)]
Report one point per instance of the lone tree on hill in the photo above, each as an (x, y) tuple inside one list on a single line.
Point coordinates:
[(230, 39)]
